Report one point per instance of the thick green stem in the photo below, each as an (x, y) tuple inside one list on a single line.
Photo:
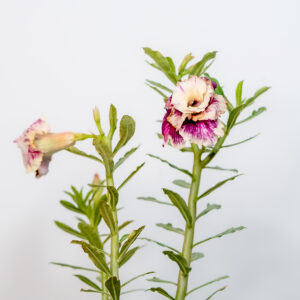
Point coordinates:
[(182, 282)]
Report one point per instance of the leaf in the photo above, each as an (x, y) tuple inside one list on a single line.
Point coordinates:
[(124, 158), (206, 284), (136, 277), (171, 165), (180, 260), (112, 121), (70, 206), (159, 85), (162, 292), (196, 255), (182, 183), (241, 142), (114, 287), (91, 234), (160, 244), (132, 291), (222, 169), (128, 255), (75, 150), (219, 184), (131, 175), (254, 114), (208, 208), (177, 200), (228, 231), (238, 93), (156, 279), (217, 291), (163, 64), (158, 91), (74, 267), (104, 151), (69, 229), (123, 238), (197, 69), (88, 282), (96, 256), (233, 115), (258, 93), (113, 196), (152, 199), (91, 291), (126, 223), (127, 129), (170, 227), (106, 213), (131, 239), (153, 65), (184, 63)]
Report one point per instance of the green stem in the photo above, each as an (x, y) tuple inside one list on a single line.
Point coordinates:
[(182, 282)]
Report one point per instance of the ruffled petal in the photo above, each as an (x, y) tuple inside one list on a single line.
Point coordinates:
[(176, 118), (43, 168)]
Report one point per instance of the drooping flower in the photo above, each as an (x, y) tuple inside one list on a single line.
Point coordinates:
[(193, 113), (37, 145)]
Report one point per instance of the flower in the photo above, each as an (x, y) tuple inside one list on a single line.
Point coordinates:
[(37, 145), (193, 113)]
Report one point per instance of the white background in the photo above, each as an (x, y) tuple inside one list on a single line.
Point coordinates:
[(58, 59)]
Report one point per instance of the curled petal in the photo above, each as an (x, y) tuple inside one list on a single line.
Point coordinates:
[(176, 118), (43, 168)]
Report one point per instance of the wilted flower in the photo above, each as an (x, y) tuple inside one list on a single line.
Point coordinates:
[(38, 144), (193, 113)]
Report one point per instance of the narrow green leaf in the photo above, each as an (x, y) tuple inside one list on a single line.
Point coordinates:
[(133, 291), (158, 91), (184, 63), (208, 208), (254, 114), (239, 92), (241, 142), (76, 151), (113, 196), (152, 199), (126, 223), (74, 267), (178, 201), (171, 165), (156, 279), (128, 255), (93, 291), (196, 255), (219, 184), (171, 64), (90, 233), (106, 213), (88, 282), (127, 129), (112, 121), (104, 150), (125, 157), (136, 277), (221, 169), (69, 229), (162, 292), (96, 256), (170, 227), (131, 175), (153, 65), (180, 260), (70, 206), (228, 231), (233, 115), (159, 85), (182, 183), (217, 291), (160, 244), (114, 287), (123, 238), (206, 284), (197, 69)]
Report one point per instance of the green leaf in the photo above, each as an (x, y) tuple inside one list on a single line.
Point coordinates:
[(159, 85), (222, 169), (123, 238), (163, 63), (258, 93), (153, 65), (133, 291), (206, 284), (69, 229), (177, 200), (241, 142), (74, 267), (184, 63), (170, 227), (208, 208), (128, 255), (113, 196), (156, 279), (105, 152), (76, 151), (180, 260), (233, 115), (136, 277), (182, 183), (112, 121), (114, 287), (171, 165), (130, 240), (162, 292), (254, 114), (158, 91), (217, 291), (160, 244), (88, 282), (96, 256), (198, 68), (238, 93), (171, 64), (228, 231), (126, 223), (219, 184), (131, 175), (152, 199), (70, 206), (196, 255), (106, 213), (91, 234), (124, 158), (127, 129)]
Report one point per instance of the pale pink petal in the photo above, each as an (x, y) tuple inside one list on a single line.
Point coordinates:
[(43, 168)]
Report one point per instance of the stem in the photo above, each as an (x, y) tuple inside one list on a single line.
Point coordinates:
[(182, 282)]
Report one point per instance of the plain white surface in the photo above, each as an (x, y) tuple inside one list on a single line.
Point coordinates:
[(60, 58)]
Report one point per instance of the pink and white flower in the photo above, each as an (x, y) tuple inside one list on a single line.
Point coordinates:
[(193, 113), (37, 145)]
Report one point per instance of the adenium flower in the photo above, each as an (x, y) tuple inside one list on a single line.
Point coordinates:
[(37, 145), (193, 113)]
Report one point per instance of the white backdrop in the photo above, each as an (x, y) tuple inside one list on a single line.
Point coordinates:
[(58, 59)]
